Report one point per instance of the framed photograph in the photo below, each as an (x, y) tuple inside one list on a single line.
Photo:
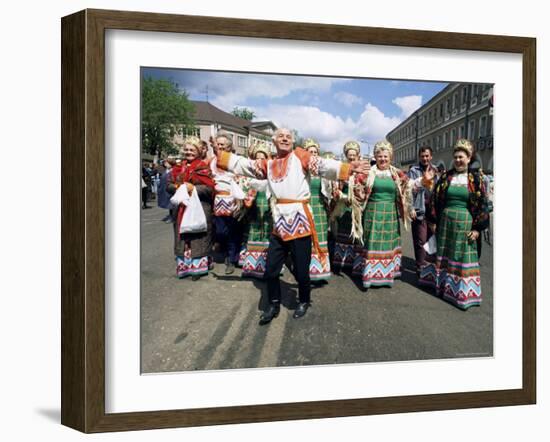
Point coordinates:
[(157, 334)]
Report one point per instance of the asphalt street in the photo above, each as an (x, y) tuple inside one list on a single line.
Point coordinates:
[(213, 323)]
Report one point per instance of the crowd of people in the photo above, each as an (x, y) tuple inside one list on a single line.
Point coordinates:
[(319, 216)]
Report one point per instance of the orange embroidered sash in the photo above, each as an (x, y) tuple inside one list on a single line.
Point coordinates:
[(314, 237)]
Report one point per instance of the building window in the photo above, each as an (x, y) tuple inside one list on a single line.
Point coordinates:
[(453, 137), (455, 99), (441, 110), (190, 131), (241, 141), (461, 131), (464, 94), (448, 106), (472, 130), (483, 126), (445, 140)]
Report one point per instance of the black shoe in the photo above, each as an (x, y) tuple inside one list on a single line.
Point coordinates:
[(229, 268), (195, 277), (268, 315), (300, 310)]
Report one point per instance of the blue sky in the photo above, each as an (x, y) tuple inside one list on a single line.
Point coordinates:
[(330, 109)]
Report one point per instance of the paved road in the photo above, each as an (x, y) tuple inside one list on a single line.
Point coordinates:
[(213, 323)]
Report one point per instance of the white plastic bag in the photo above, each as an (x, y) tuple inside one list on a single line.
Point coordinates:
[(181, 196), (431, 245), (193, 220)]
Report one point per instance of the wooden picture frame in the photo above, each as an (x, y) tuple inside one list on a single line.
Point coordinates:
[(83, 220)]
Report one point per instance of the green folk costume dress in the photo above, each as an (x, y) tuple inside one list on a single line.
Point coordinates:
[(454, 270), (379, 261), (319, 267), (260, 224), (345, 248)]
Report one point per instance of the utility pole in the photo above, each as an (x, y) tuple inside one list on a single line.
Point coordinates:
[(368, 144), (205, 91)]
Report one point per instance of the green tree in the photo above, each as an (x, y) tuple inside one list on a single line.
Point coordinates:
[(244, 112), (165, 110)]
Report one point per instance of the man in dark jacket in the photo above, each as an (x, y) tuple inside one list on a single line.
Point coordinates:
[(421, 195)]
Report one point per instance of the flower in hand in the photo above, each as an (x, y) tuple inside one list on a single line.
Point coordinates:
[(429, 173), (473, 235), (360, 166)]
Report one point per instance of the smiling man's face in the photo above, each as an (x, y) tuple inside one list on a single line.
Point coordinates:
[(284, 141)]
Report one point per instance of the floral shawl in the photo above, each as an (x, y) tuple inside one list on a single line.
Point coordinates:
[(477, 201), (362, 188)]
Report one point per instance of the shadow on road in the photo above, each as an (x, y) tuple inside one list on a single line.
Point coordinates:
[(355, 279), (289, 294)]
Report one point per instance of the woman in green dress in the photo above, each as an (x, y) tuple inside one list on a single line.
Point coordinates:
[(346, 244), (319, 267), (459, 210), (260, 224), (386, 196)]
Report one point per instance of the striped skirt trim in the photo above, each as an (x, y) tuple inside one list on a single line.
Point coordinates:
[(185, 265), (451, 284)]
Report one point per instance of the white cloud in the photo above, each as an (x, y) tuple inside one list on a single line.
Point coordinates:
[(347, 99), (374, 125), (309, 99), (331, 131), (408, 104), (227, 90)]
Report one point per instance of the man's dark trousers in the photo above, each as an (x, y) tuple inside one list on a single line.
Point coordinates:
[(420, 233), (300, 252), (229, 234)]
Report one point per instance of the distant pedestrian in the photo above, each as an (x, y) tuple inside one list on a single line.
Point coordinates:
[(163, 197), (145, 185)]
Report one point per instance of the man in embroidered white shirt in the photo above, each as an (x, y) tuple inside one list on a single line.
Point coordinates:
[(228, 228), (293, 227)]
